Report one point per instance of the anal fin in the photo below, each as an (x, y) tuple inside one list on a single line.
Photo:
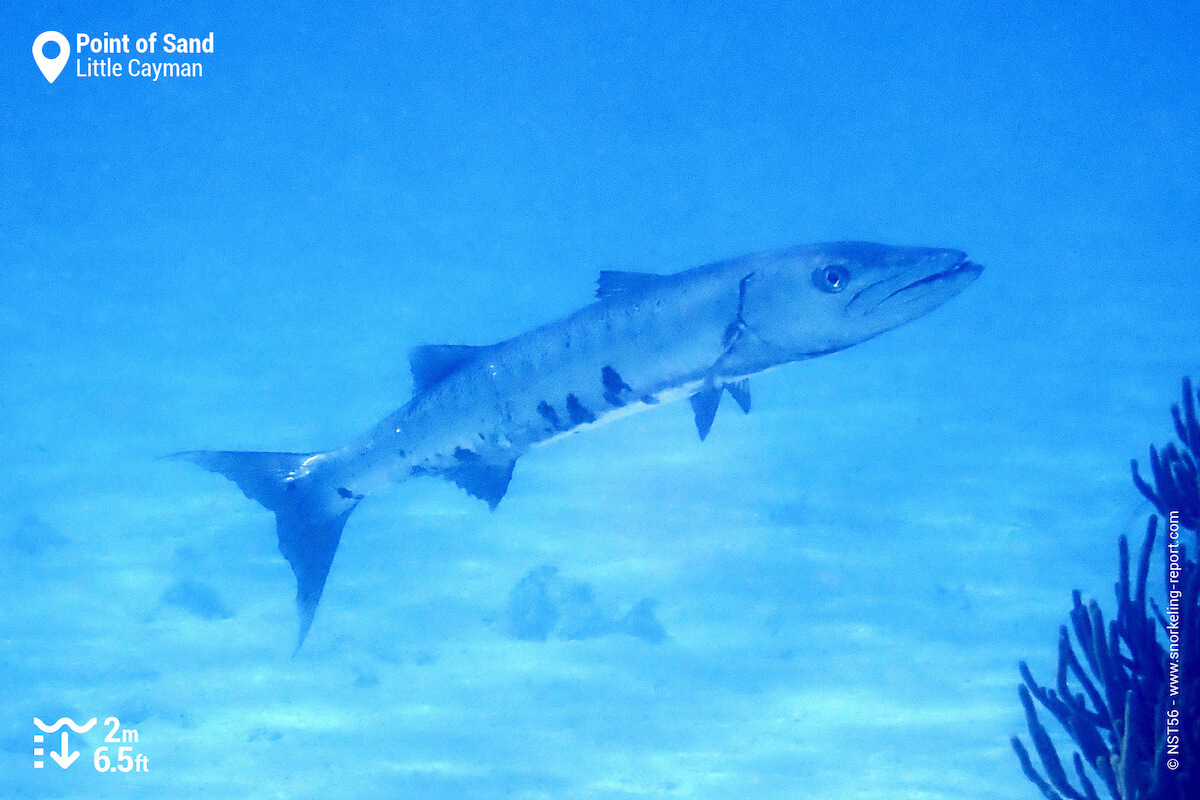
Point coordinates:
[(488, 482)]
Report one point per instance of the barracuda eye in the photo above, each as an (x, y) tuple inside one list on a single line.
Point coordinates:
[(830, 279)]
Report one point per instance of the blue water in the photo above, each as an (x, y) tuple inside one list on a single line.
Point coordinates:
[(842, 581)]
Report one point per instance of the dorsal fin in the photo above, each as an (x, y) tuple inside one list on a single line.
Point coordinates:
[(433, 362), (611, 282)]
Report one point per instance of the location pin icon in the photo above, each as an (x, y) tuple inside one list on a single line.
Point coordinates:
[(51, 67)]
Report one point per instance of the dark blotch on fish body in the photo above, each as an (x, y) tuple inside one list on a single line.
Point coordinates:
[(579, 414), (465, 455), (613, 386), (550, 415)]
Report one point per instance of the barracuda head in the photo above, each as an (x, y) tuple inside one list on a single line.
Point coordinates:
[(810, 301)]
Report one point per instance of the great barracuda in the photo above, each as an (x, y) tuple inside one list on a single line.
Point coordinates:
[(647, 339)]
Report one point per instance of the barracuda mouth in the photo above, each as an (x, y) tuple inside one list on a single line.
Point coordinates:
[(965, 269), (926, 292)]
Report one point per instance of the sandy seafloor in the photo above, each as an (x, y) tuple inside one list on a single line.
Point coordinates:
[(843, 581)]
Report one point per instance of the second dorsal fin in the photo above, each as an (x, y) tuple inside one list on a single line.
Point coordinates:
[(610, 282), (433, 362)]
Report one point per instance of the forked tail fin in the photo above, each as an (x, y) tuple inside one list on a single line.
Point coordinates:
[(309, 514)]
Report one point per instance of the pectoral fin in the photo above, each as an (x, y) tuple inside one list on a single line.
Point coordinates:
[(704, 405)]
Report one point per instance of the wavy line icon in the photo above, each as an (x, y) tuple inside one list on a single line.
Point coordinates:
[(65, 721)]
